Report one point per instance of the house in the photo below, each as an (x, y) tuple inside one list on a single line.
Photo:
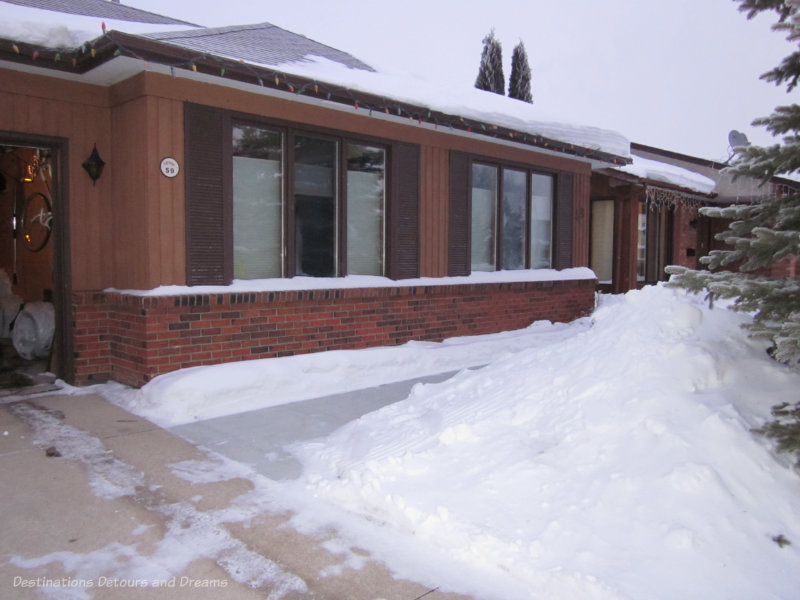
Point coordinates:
[(645, 215), (212, 195)]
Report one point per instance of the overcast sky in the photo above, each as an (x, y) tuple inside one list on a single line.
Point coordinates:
[(676, 74)]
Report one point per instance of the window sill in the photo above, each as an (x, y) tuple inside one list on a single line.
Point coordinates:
[(363, 281)]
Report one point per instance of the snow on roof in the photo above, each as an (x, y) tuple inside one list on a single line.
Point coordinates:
[(467, 102), (59, 28), (263, 43), (255, 45), (658, 171)]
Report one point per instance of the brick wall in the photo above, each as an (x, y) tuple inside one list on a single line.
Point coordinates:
[(132, 339)]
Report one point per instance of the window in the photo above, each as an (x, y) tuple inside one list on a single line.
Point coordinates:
[(484, 210), (641, 244), (514, 192), (654, 242), (315, 206), (257, 203), (541, 221), (516, 233), (334, 219), (245, 175), (602, 240), (366, 197)]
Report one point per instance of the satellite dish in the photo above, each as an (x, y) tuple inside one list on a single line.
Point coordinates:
[(737, 139)]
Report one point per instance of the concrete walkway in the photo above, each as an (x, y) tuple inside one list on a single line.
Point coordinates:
[(93, 506), (258, 438)]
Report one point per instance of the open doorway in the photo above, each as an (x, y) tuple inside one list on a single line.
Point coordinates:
[(31, 286)]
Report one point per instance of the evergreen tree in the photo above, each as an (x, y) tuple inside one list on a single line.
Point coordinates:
[(519, 83), (764, 233), (490, 72)]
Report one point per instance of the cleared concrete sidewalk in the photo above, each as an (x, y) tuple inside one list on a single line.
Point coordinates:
[(258, 437), (92, 507)]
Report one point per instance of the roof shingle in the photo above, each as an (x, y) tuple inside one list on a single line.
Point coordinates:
[(261, 43), (103, 9)]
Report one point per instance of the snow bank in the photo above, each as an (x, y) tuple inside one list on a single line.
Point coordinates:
[(614, 463), (666, 173), (202, 393)]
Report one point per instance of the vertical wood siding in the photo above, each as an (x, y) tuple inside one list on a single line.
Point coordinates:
[(81, 114), (129, 230), (581, 220), (434, 194), (148, 214)]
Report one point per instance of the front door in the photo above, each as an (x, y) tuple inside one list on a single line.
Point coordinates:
[(33, 282)]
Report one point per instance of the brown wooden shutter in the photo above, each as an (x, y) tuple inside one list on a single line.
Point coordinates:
[(458, 249), (208, 248), (403, 225), (564, 209)]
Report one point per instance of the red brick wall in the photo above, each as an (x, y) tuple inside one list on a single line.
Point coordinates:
[(132, 339)]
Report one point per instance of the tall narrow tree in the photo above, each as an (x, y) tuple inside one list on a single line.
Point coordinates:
[(490, 72), (519, 83)]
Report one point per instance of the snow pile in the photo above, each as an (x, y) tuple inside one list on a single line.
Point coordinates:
[(201, 393), (666, 173), (615, 463)]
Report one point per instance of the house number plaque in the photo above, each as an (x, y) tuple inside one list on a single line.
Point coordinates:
[(170, 167)]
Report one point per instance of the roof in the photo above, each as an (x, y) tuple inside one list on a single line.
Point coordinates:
[(103, 9), (266, 59), (260, 43), (659, 172)]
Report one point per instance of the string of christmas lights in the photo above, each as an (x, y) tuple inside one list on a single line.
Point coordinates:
[(113, 44)]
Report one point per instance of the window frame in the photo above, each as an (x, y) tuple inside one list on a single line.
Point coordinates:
[(529, 171), (290, 131)]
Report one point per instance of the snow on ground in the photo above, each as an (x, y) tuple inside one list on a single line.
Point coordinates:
[(611, 458)]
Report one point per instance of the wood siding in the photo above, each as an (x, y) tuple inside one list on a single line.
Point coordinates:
[(581, 220), (81, 114), (149, 248), (128, 230), (434, 225)]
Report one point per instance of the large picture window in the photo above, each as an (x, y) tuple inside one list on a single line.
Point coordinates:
[(324, 196), (516, 232)]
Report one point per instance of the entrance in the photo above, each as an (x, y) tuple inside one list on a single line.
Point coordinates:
[(32, 290)]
